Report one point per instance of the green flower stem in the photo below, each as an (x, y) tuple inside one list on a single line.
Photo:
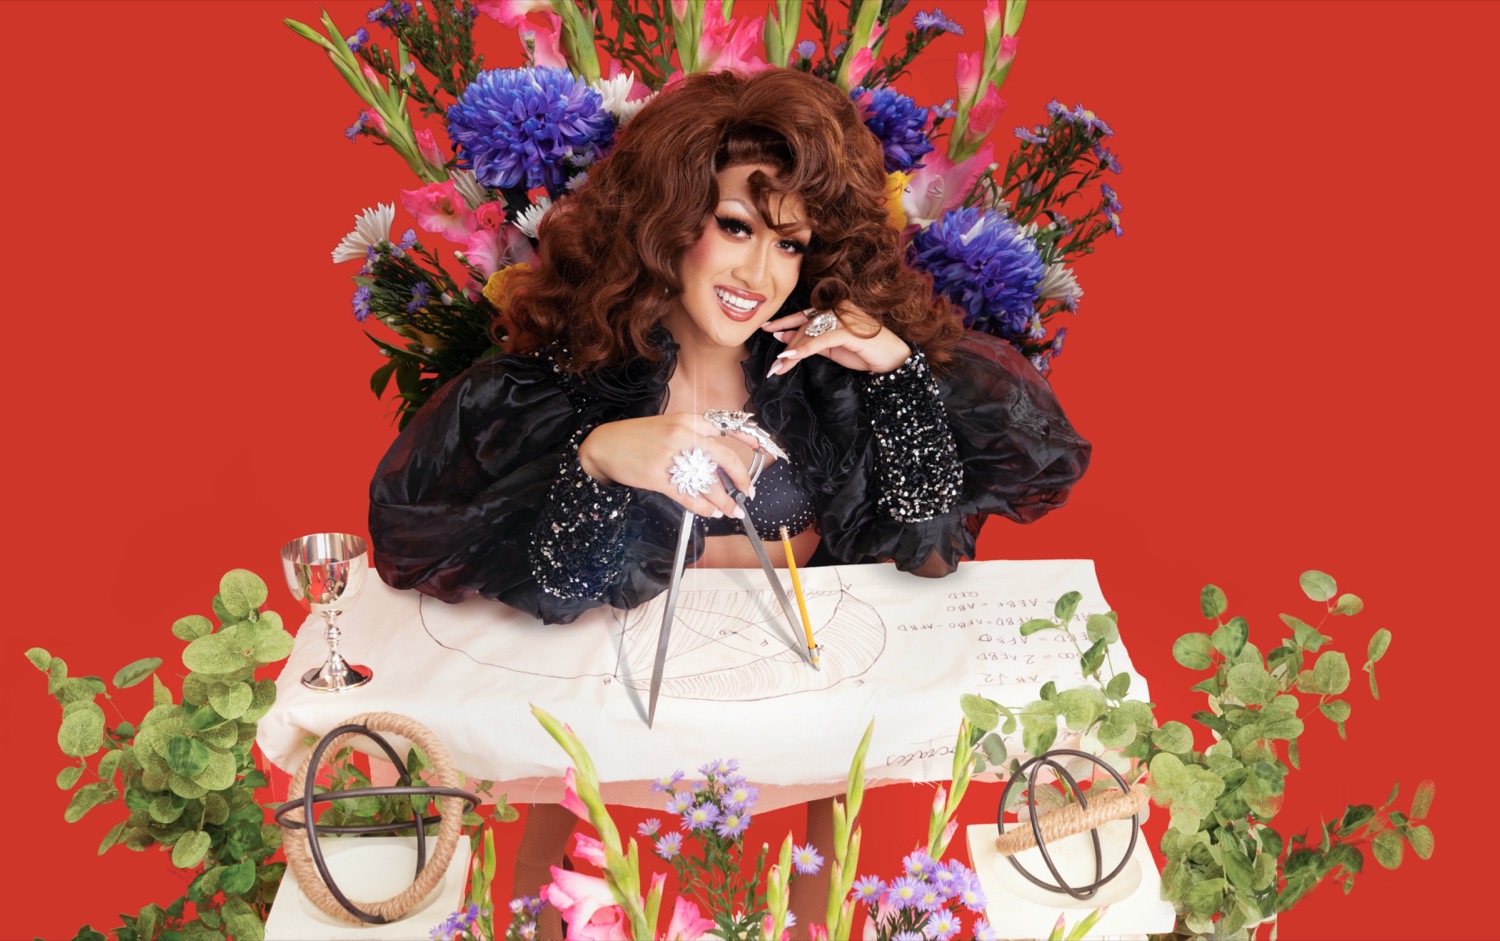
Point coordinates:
[(780, 36), (859, 38), (685, 33), (578, 40)]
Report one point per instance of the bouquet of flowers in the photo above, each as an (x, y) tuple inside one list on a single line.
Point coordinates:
[(998, 245)]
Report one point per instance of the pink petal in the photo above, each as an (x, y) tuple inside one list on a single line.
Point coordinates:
[(589, 849), (511, 12), (577, 896), (939, 185), (687, 924), (991, 14), (427, 146), (860, 65), (985, 113), (967, 75), (570, 797), (548, 41), (439, 208)]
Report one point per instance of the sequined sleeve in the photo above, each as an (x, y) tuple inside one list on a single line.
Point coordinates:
[(577, 550), (919, 471)]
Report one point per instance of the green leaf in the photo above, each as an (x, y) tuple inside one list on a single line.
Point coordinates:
[(191, 627), (1237, 868), (1038, 727), (1317, 586), (1305, 634), (1066, 606), (69, 776), (1212, 601), (1420, 838), (1349, 605), (1173, 737), (269, 642), (160, 695), (1252, 685), (1331, 672), (214, 653), (81, 733), (1230, 639), (1206, 897), (188, 757), (133, 673), (1103, 627), (1380, 642), (87, 798), (1336, 709), (1355, 816), (241, 920), (1374, 688), (982, 713), (1034, 625), (167, 808), (1387, 845), (219, 774), (1264, 872), (1081, 706), (1118, 686), (190, 848), (1194, 651), (238, 878), (1117, 730), (112, 838), (39, 658), (1093, 658), (1421, 802), (994, 749), (230, 700), (381, 377), (241, 592)]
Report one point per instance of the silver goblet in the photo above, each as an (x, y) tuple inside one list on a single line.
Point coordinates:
[(325, 571)]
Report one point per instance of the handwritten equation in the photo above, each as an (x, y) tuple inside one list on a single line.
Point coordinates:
[(1000, 656)]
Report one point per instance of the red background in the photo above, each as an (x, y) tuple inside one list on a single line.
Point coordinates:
[(1284, 365)]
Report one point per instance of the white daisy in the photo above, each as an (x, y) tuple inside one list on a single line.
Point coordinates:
[(1059, 283), (614, 91), (371, 227), (468, 187), (532, 217)]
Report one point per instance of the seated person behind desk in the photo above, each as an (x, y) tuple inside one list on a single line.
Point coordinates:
[(684, 276)]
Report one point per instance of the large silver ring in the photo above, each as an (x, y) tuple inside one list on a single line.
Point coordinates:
[(744, 423), (825, 322), (693, 472)]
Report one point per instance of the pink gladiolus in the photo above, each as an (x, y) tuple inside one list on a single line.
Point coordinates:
[(949, 830), (373, 119), (817, 933), (688, 923), (438, 208), (511, 12), (985, 113), (579, 898), (570, 798), (939, 799), (728, 45), (967, 75), (680, 9), (490, 250), (427, 146), (939, 185), (490, 216), (1007, 52), (589, 849), (860, 65), (991, 14)]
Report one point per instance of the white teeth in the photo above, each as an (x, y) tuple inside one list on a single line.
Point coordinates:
[(738, 303)]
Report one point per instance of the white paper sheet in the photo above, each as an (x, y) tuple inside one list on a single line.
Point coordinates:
[(896, 647)]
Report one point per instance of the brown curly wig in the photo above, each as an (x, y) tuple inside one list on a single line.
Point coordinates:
[(609, 253)]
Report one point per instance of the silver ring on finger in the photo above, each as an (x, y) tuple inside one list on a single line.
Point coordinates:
[(824, 322), (693, 472)]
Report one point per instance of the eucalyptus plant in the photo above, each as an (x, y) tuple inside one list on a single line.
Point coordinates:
[(185, 771)]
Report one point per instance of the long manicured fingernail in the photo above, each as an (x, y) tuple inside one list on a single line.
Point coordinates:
[(775, 367), (718, 513), (752, 491), (788, 354), (739, 514), (780, 335)]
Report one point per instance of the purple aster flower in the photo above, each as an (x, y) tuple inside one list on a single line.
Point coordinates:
[(944, 110), (943, 878), (1057, 340), (353, 130), (984, 931), (421, 294), (936, 20), (649, 827), (1041, 363), (1111, 198), (359, 40), (919, 864), (733, 825), (679, 803), (1037, 135), (719, 767), (700, 816), (942, 926), (903, 892), (522, 126), (1090, 120), (929, 898), (899, 125), (1114, 223), (1107, 160), (805, 49), (379, 13), (985, 264), (405, 9), (1056, 109), (362, 302), (408, 239), (666, 782), (740, 796), (535, 905), (669, 846), (867, 889), (805, 859), (410, 68), (908, 936)]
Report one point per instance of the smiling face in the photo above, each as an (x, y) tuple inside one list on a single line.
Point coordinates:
[(741, 270)]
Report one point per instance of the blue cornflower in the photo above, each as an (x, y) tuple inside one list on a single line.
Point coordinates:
[(985, 264), (353, 130), (984, 931), (733, 825), (936, 20), (1111, 198), (666, 782), (942, 926), (362, 302), (700, 817), (944, 110), (919, 864), (805, 49), (649, 827), (740, 796), (420, 295), (1037, 135), (805, 859), (867, 890), (669, 845), (903, 892), (1091, 120), (359, 40), (1107, 160), (898, 123), (521, 126)]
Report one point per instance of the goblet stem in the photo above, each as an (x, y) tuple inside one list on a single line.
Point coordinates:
[(335, 659)]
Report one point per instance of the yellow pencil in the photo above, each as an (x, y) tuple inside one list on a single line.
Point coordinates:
[(791, 565)]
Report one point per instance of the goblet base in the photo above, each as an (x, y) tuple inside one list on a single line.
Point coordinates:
[(335, 678)]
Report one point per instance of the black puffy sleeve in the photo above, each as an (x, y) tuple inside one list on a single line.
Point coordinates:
[(457, 501), (1019, 455)]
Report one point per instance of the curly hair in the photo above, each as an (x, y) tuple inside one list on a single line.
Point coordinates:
[(608, 254)]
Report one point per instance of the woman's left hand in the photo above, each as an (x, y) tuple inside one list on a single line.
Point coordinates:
[(851, 344)]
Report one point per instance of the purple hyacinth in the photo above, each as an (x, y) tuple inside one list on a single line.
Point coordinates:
[(525, 126), (985, 264), (898, 123)]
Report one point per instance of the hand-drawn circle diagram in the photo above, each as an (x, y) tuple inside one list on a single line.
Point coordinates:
[(727, 645), (736, 646)]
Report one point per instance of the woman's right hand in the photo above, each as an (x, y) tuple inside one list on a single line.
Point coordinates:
[(638, 452)]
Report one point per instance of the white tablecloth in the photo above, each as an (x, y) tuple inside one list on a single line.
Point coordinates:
[(897, 648)]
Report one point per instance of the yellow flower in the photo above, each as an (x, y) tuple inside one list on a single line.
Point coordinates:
[(896, 182), (494, 288)]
